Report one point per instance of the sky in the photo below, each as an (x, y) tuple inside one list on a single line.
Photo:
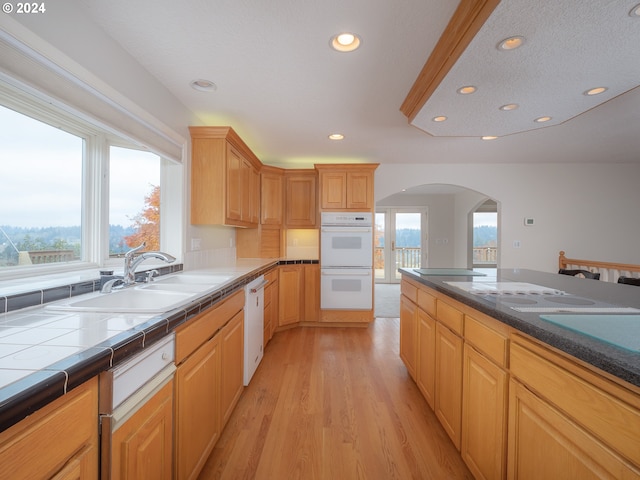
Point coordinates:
[(40, 176)]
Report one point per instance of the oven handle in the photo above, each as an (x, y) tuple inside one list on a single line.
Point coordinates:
[(346, 229), (349, 274)]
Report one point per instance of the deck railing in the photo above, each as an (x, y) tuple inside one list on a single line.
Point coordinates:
[(411, 257)]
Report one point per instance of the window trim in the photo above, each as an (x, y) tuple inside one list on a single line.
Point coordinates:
[(95, 189)]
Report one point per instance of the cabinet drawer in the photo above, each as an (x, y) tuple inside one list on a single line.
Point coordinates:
[(485, 339), (449, 316), (195, 332), (427, 302), (409, 290), (603, 414)]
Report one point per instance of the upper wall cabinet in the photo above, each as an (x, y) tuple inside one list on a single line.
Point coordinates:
[(347, 187), (225, 179), (301, 193), (272, 196)]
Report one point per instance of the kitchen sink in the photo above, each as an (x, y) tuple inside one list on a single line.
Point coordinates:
[(133, 300), (193, 279), (161, 295)]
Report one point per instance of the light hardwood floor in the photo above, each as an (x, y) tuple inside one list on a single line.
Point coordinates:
[(334, 403)]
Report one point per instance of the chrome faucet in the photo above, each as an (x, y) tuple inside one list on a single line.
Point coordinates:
[(131, 261)]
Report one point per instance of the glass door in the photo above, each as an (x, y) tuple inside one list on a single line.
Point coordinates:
[(399, 242)]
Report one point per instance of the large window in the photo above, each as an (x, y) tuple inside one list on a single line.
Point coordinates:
[(72, 195)]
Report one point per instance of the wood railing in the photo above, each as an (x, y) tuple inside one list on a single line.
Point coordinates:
[(411, 257), (485, 255), (609, 271)]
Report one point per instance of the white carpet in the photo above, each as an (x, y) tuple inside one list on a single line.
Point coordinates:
[(387, 300)]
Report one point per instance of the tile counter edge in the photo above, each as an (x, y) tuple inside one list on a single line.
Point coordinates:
[(30, 393)]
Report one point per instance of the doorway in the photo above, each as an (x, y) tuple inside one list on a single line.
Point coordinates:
[(399, 242)]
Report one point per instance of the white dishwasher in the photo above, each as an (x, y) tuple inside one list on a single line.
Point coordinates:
[(125, 389), (253, 326)]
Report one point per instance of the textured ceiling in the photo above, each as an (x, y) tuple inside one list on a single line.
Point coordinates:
[(282, 88)]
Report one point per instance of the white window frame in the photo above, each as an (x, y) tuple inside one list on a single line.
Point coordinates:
[(95, 191)]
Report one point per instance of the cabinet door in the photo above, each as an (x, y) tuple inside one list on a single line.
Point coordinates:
[(426, 366), (334, 188), (232, 366), (311, 293), (301, 200), (291, 294), (448, 400), (235, 186), (142, 446), (197, 407), (272, 199), (408, 338), (360, 190), (60, 439), (543, 443), (484, 416)]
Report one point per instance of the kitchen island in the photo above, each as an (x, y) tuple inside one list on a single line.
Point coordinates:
[(521, 396)]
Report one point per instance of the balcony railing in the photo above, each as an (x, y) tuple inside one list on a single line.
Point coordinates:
[(411, 257), (46, 256)]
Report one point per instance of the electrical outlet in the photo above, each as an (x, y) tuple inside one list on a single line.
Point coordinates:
[(195, 244), (516, 244)]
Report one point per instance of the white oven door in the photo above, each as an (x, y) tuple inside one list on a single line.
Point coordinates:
[(346, 289), (346, 247)]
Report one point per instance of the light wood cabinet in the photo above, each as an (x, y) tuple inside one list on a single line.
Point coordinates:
[(484, 419), (301, 192), (426, 366), (448, 382), (582, 424), (299, 293), (209, 356), (225, 182), (270, 305), (142, 446), (291, 294), (311, 292), (408, 334), (231, 366), (272, 196), (545, 443), (346, 186), (58, 441)]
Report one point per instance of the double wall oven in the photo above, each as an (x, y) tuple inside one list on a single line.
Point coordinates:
[(346, 261)]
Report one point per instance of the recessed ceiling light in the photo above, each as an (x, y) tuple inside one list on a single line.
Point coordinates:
[(511, 43), (489, 137), (336, 136), (204, 85), (345, 42), (466, 90), (441, 118), (509, 106), (595, 91), (635, 11), (542, 119)]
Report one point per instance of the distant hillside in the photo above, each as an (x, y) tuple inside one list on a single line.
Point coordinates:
[(483, 236)]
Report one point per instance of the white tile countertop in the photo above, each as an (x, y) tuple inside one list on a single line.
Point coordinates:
[(44, 353)]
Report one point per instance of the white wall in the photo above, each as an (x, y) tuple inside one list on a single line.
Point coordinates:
[(590, 211)]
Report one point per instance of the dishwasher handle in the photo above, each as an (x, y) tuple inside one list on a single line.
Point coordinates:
[(258, 287)]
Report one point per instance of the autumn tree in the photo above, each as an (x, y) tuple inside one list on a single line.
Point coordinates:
[(147, 223)]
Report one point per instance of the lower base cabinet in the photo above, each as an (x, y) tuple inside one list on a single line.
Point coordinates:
[(448, 382), (208, 381), (58, 441), (142, 446), (484, 422)]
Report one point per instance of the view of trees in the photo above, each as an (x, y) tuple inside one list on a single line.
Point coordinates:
[(145, 228)]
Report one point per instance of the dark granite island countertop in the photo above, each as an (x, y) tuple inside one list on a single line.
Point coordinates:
[(619, 362)]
